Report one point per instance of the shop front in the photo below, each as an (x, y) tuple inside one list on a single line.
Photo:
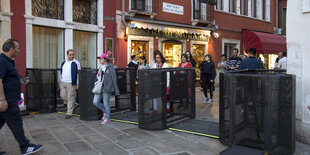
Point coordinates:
[(172, 51), (171, 41), (267, 46)]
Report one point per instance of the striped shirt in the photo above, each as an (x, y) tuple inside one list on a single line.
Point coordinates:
[(234, 61)]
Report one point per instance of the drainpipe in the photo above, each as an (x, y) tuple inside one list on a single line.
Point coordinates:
[(123, 13), (277, 16)]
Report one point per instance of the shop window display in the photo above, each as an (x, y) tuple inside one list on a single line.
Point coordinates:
[(172, 53), (198, 55), (140, 48)]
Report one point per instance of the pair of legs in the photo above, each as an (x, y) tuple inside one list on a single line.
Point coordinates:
[(105, 107), (68, 94), (207, 85), (14, 121)]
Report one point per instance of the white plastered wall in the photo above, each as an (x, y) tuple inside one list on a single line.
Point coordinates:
[(298, 22), (5, 21), (67, 25)]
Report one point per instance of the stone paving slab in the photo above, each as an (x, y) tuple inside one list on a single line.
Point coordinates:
[(73, 136)]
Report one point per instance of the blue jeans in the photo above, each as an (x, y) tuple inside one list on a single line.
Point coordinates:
[(105, 107)]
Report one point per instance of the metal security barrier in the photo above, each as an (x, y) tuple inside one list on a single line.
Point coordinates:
[(126, 85), (41, 90), (257, 109), (158, 88), (125, 101)]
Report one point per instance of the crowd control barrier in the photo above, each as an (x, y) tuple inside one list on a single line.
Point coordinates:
[(165, 95), (257, 109)]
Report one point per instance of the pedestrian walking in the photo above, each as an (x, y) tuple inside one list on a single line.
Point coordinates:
[(208, 73), (10, 90), (234, 61), (106, 73), (191, 59), (251, 62), (69, 82)]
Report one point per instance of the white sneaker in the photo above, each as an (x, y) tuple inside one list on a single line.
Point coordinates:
[(210, 101), (206, 100), (103, 117)]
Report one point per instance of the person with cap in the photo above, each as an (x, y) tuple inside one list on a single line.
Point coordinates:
[(106, 73), (69, 82)]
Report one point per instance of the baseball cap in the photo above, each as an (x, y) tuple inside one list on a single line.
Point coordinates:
[(103, 56)]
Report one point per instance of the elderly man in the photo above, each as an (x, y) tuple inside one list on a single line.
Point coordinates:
[(10, 85), (69, 82)]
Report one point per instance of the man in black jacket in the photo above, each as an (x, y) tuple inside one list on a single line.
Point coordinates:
[(10, 85)]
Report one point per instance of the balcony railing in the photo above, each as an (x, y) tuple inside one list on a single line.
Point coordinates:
[(146, 7), (203, 12)]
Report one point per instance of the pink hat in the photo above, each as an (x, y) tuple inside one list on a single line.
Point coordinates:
[(103, 56)]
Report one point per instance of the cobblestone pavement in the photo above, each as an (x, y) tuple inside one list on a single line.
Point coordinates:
[(73, 136)]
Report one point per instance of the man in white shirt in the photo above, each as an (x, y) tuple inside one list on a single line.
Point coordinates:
[(69, 82), (283, 61)]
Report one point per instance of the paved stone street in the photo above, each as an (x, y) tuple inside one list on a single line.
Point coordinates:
[(73, 136)]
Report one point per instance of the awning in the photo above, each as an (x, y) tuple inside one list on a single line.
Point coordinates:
[(264, 43)]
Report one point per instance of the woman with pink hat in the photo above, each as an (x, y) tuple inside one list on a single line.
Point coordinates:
[(106, 73)]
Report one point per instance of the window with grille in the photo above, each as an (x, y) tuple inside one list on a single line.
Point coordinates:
[(85, 11), (48, 8)]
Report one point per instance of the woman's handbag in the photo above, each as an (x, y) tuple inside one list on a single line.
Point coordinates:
[(98, 86)]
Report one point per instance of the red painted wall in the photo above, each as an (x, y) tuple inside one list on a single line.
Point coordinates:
[(171, 17), (18, 31), (110, 25), (231, 26)]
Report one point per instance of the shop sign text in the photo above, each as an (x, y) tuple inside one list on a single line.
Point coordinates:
[(172, 8), (167, 34)]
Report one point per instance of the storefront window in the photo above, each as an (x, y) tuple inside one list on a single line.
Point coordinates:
[(140, 48), (198, 55), (84, 44), (268, 60), (48, 47), (109, 47), (172, 53)]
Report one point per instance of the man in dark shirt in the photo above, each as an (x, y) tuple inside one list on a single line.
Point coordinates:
[(234, 61), (134, 63), (10, 85), (251, 62)]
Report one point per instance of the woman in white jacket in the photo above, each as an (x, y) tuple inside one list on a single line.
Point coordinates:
[(160, 62)]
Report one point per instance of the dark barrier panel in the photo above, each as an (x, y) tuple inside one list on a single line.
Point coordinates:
[(165, 96), (87, 78), (126, 85), (125, 101), (257, 109), (41, 90)]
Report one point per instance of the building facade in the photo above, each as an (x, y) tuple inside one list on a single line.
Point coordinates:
[(298, 22), (172, 27), (201, 27), (243, 24)]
